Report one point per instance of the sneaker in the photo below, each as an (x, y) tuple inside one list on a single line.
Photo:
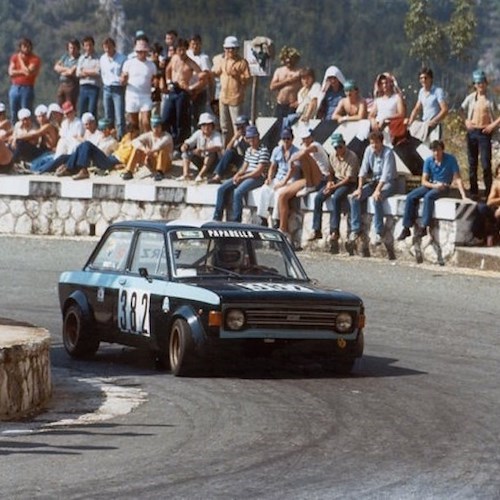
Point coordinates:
[(378, 240), (214, 180), (305, 191), (82, 174), (316, 235), (159, 176), (404, 234), (126, 176)]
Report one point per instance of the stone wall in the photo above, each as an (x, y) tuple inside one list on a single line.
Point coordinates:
[(25, 377)]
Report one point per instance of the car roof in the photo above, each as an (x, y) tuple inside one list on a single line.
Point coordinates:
[(164, 224)]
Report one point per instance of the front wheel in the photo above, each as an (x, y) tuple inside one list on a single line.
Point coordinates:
[(180, 348), (343, 366), (78, 341)]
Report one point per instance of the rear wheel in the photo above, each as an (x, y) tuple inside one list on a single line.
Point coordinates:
[(180, 348), (76, 338)]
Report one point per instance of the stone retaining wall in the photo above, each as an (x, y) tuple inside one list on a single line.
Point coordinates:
[(25, 376)]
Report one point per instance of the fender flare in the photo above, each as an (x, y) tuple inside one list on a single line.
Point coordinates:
[(79, 298), (197, 331)]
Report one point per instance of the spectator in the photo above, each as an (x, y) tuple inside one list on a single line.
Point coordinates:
[(5, 124), (203, 148), (352, 107), (279, 175), (179, 73), (23, 129), (234, 74), (88, 153), (314, 168), (153, 149), (250, 176), (234, 153), (56, 115), (487, 223), (439, 172), (137, 75), (170, 42), (479, 108), (5, 158), (71, 131), (332, 92), (286, 81), (388, 104), (24, 67), (200, 100), (377, 178), (65, 67), (158, 85), (341, 182), (307, 99), (113, 96), (431, 104), (88, 71)]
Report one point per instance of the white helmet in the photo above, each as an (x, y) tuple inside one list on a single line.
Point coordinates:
[(231, 42)]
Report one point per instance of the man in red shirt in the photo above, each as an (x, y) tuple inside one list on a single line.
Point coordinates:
[(24, 67)]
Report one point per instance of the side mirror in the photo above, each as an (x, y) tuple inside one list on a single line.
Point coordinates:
[(143, 272)]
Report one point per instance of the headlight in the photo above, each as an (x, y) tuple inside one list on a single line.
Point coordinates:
[(235, 319), (343, 322)]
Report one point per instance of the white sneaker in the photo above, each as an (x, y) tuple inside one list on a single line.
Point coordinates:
[(305, 191)]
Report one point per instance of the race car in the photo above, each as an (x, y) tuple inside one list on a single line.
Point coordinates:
[(189, 290)]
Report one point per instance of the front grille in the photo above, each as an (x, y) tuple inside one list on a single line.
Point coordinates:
[(291, 317)]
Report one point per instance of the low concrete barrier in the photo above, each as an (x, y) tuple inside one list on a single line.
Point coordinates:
[(25, 376)]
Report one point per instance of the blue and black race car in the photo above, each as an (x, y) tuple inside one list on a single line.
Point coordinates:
[(187, 290)]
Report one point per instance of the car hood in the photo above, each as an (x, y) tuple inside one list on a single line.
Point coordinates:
[(249, 290)]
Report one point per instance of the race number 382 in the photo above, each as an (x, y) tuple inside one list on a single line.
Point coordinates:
[(133, 311)]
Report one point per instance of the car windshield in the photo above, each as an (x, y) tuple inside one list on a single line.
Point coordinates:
[(233, 253)]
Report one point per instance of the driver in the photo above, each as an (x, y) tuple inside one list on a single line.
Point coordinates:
[(229, 254)]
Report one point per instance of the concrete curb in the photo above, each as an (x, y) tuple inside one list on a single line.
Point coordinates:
[(25, 376)]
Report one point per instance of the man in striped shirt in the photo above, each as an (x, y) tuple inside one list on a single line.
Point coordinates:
[(250, 176)]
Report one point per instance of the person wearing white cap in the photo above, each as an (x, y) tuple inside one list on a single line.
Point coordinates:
[(203, 148), (22, 127), (234, 73), (56, 114), (137, 75), (37, 141)]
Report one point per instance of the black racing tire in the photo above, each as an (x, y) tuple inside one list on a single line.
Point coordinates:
[(180, 348), (78, 341)]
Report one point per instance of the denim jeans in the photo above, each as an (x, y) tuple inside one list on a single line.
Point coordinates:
[(176, 115), (411, 205), (479, 144), (87, 153), (338, 196), (87, 100), (238, 192), (20, 96), (113, 101), (356, 206), (230, 157)]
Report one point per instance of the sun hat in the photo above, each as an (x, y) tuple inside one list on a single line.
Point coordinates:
[(206, 118), (231, 42)]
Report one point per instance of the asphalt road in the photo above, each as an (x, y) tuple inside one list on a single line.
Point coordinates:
[(419, 418)]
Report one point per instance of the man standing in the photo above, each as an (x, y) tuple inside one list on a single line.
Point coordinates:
[(341, 182), (479, 108), (24, 67), (113, 100), (234, 74), (439, 172), (377, 178), (88, 71)]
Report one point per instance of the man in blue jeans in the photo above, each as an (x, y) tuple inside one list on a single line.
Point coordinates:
[(377, 178), (439, 171), (250, 176)]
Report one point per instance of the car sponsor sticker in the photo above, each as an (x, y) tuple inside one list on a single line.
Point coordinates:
[(133, 311), (275, 287)]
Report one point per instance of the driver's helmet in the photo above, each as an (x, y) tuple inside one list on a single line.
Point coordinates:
[(229, 253)]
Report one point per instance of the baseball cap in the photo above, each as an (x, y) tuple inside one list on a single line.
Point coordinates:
[(337, 140), (241, 120), (103, 123), (55, 108), (231, 42), (478, 76), (87, 118), (67, 107), (41, 109), (155, 121), (251, 131), (23, 113), (286, 134)]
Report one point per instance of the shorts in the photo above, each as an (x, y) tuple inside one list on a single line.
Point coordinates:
[(135, 103)]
